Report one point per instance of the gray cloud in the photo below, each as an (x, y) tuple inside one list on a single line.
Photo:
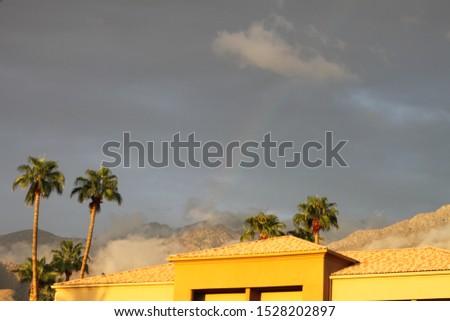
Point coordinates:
[(74, 77)]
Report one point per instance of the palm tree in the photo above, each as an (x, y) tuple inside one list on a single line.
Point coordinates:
[(41, 178), (265, 225), (302, 233), (315, 215), (96, 186), (45, 274), (68, 258)]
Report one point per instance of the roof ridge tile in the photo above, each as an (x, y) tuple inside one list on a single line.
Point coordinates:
[(275, 245)]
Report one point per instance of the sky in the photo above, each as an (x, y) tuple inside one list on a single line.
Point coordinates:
[(77, 74)]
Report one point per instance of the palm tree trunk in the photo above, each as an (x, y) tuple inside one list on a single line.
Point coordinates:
[(34, 274), (315, 229), (316, 238), (93, 210)]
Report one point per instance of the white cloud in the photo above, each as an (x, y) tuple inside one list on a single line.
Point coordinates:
[(438, 237), (18, 252), (265, 49), (131, 253)]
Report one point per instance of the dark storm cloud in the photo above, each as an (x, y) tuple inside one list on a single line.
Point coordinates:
[(74, 75)]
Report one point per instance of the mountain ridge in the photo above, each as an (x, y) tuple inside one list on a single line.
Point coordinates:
[(412, 232), (408, 233), (44, 237)]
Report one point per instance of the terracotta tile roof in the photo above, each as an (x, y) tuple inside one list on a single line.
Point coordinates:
[(157, 273), (397, 261), (277, 245)]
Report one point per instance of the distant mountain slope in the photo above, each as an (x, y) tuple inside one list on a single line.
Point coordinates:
[(192, 237), (425, 229), (205, 236), (196, 236), (44, 237)]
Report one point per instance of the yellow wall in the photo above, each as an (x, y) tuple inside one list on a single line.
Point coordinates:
[(116, 292), (306, 270), (284, 277), (332, 264), (282, 296), (401, 286), (225, 297)]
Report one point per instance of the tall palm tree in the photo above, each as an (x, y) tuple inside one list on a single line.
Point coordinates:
[(41, 177), (315, 215), (265, 225), (68, 258), (96, 186), (45, 274)]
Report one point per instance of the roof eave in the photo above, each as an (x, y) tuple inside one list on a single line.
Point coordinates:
[(242, 256), (389, 274), (96, 285), (342, 256)]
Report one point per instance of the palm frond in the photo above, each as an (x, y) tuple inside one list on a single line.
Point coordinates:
[(262, 224), (41, 177), (316, 214)]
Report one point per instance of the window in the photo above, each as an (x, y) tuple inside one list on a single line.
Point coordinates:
[(219, 295), (279, 293), (285, 293)]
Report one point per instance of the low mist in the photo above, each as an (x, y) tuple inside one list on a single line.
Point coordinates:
[(131, 253), (437, 237)]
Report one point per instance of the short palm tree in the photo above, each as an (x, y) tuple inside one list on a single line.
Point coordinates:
[(264, 225), (96, 186), (46, 277), (315, 215), (41, 177), (302, 233), (68, 258)]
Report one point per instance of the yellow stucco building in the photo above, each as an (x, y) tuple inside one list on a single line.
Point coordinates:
[(282, 268)]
